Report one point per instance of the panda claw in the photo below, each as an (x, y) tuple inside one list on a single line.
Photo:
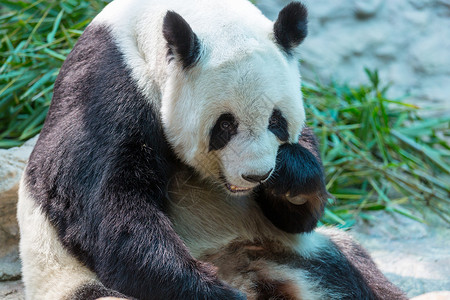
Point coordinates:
[(297, 200)]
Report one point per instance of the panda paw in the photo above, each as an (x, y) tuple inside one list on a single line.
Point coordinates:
[(298, 176), (294, 198)]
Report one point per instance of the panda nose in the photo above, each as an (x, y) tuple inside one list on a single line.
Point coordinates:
[(257, 178)]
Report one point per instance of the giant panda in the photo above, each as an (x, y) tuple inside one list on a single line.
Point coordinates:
[(174, 163)]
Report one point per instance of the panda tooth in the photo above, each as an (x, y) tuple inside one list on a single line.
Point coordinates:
[(235, 188)]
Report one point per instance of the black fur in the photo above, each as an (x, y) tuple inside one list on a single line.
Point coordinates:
[(93, 291), (268, 289), (279, 126), (182, 41), (220, 136), (291, 26), (298, 173), (99, 171), (347, 271), (335, 274), (357, 258), (257, 178)]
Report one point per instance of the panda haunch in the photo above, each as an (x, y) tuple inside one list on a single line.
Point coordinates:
[(174, 164)]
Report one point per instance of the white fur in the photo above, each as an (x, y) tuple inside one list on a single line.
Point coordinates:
[(206, 217), (49, 271), (241, 71)]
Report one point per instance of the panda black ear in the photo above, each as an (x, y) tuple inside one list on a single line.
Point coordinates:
[(182, 41), (291, 26)]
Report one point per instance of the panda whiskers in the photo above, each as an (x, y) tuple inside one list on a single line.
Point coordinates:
[(271, 179)]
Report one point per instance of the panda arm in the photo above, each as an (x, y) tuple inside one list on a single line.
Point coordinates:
[(121, 232), (294, 199)]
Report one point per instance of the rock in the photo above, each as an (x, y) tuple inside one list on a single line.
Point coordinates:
[(367, 8), (408, 36), (439, 61), (420, 4), (386, 51), (419, 19), (12, 162), (12, 290), (329, 11), (10, 264), (445, 4), (413, 255), (443, 295)]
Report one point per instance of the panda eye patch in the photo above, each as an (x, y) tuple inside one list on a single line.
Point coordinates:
[(278, 125), (274, 121), (222, 132)]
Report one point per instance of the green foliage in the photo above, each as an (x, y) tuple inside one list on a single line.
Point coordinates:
[(377, 152), (36, 37)]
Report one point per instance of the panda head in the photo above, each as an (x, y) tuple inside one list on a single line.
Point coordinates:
[(227, 107)]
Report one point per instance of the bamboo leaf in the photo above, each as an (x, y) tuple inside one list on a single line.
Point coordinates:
[(44, 79), (51, 35), (430, 153)]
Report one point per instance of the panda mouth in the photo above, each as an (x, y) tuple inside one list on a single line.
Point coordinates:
[(236, 189)]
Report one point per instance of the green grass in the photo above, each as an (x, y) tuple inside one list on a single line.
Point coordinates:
[(378, 153), (36, 36)]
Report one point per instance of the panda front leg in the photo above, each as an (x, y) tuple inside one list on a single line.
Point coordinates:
[(293, 199)]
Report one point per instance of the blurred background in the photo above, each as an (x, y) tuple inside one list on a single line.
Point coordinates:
[(408, 41), (376, 83)]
